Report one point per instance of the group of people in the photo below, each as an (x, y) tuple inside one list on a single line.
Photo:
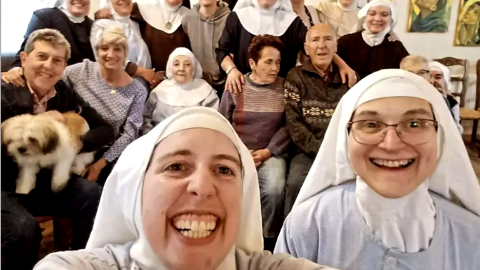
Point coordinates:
[(209, 123)]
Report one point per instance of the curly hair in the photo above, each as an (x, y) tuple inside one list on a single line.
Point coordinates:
[(260, 42)]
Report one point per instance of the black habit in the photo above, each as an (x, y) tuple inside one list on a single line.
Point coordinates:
[(235, 40), (365, 59)]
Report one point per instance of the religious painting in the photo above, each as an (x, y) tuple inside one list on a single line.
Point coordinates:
[(467, 32), (429, 16)]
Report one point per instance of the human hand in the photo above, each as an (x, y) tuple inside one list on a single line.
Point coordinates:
[(93, 171), (56, 115), (14, 76), (103, 13), (235, 81), (260, 156), (393, 37), (159, 77), (347, 72)]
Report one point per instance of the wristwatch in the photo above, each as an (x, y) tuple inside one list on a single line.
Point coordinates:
[(230, 69)]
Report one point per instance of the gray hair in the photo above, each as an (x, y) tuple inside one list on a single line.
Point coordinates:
[(412, 60), (51, 36)]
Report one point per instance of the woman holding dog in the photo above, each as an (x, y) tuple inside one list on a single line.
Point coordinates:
[(186, 194), (113, 93)]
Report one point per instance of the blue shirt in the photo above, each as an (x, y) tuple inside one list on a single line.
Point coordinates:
[(329, 229)]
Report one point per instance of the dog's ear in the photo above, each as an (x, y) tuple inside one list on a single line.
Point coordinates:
[(51, 141), (4, 127)]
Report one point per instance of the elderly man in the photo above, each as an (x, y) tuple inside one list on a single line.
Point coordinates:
[(312, 92), (43, 62), (440, 79), (416, 64)]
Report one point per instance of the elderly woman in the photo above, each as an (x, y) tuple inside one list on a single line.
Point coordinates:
[(113, 93), (184, 88), (138, 54), (184, 195), (392, 186), (260, 17), (369, 49), (69, 17), (261, 106)]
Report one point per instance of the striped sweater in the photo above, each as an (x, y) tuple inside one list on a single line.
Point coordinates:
[(257, 114)]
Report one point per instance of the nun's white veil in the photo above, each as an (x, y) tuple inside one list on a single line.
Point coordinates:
[(453, 178), (118, 219)]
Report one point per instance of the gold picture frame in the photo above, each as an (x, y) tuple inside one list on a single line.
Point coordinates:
[(429, 19), (467, 30)]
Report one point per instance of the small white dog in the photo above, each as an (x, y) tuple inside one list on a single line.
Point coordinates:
[(41, 141)]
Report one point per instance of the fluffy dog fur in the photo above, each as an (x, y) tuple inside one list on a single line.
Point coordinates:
[(40, 141)]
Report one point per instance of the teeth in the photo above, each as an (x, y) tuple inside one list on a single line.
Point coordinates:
[(392, 163), (195, 226)]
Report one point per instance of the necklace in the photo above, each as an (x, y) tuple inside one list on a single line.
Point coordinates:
[(113, 91), (168, 25)]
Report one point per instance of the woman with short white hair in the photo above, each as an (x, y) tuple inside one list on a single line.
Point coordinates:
[(184, 196), (113, 93), (138, 54), (392, 186)]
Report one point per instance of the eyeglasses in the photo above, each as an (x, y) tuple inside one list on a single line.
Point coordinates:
[(412, 132), (422, 72)]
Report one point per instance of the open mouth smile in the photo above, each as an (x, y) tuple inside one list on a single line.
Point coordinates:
[(392, 164), (196, 226)]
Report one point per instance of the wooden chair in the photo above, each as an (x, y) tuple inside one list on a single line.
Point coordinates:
[(207, 77), (465, 113), (62, 231)]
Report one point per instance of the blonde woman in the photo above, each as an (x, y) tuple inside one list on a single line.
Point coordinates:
[(113, 93)]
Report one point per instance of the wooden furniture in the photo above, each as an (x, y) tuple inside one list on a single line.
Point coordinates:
[(208, 77), (62, 231)]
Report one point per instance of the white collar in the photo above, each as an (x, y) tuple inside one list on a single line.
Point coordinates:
[(62, 5), (259, 21), (160, 15), (453, 178)]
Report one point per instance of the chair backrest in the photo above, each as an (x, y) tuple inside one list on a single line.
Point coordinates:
[(450, 62)]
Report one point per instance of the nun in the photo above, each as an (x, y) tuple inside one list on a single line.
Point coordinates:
[(138, 54), (183, 88), (369, 49), (70, 18), (440, 79), (392, 186), (185, 196), (263, 17), (342, 15)]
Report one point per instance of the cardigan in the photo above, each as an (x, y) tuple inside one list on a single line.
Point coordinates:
[(77, 34), (19, 100)]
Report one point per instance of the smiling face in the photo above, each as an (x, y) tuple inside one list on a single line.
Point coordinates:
[(122, 7), (378, 18), (192, 199), (78, 7), (321, 45), (266, 4), (268, 65), (182, 69), (43, 67), (393, 168), (112, 56)]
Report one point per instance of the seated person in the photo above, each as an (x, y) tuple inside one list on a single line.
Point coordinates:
[(138, 53), (113, 93), (416, 64), (257, 115), (312, 92), (43, 61), (369, 49), (392, 186), (440, 79), (184, 195), (183, 88)]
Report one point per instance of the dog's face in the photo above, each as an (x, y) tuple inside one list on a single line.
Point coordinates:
[(29, 135)]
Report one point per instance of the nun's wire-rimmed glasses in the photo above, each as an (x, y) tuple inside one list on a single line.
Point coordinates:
[(412, 132)]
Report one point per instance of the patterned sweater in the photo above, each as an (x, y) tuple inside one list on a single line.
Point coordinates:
[(310, 103), (257, 115)]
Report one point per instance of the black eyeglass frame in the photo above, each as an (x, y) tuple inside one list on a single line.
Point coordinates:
[(349, 127)]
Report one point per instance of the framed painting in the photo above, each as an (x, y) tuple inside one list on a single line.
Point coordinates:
[(429, 16), (467, 32)]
